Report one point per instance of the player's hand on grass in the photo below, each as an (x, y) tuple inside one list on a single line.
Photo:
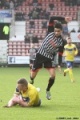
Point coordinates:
[(6, 106)]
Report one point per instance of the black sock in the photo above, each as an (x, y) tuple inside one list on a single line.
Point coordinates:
[(50, 83), (31, 78)]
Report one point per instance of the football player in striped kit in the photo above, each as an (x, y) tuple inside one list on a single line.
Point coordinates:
[(52, 43)]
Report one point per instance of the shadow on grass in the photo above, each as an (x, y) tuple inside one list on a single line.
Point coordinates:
[(59, 107), (49, 107)]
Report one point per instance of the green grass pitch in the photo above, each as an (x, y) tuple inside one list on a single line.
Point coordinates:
[(65, 102)]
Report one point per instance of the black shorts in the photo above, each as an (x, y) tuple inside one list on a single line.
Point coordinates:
[(42, 61)]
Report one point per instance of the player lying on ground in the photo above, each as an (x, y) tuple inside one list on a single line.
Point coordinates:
[(26, 95)]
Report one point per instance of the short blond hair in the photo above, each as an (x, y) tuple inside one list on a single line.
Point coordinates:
[(23, 82)]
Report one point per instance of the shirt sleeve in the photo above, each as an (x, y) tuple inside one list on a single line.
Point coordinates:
[(17, 91), (60, 52), (76, 50), (59, 18), (52, 22)]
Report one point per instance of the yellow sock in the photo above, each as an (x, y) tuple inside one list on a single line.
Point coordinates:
[(66, 70), (71, 75)]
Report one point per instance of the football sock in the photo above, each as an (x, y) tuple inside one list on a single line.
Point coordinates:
[(50, 83), (71, 75), (32, 80)]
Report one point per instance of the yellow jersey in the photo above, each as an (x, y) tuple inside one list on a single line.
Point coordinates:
[(31, 95), (70, 51)]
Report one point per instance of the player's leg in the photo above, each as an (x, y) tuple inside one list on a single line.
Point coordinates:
[(30, 64), (67, 69), (71, 72), (33, 74), (51, 69), (35, 68), (50, 82)]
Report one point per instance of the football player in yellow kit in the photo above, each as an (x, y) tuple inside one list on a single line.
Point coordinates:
[(26, 95), (70, 51)]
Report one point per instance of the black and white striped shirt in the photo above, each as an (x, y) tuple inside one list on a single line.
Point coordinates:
[(50, 45)]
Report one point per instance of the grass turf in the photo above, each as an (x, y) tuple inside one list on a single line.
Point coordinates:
[(65, 102)]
